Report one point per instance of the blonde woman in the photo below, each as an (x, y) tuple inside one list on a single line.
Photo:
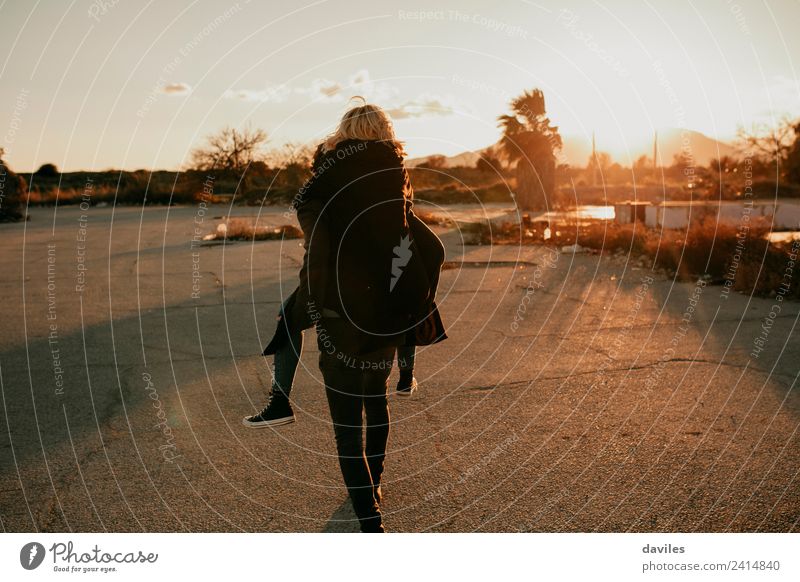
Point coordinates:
[(367, 283)]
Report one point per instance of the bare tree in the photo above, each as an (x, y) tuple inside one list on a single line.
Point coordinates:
[(293, 160), (769, 142), (291, 154), (230, 149)]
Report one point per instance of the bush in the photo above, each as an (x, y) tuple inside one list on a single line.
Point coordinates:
[(763, 270), (769, 189), (13, 190), (708, 249), (48, 171)]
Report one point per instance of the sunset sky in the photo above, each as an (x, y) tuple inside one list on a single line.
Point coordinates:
[(97, 85)]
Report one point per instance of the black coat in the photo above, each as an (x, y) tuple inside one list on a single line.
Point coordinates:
[(430, 328), (368, 257)]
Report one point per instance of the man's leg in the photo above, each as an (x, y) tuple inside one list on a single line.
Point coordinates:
[(376, 407), (344, 390), (405, 358)]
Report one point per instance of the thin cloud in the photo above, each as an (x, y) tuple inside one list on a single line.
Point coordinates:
[(360, 83), (275, 94), (423, 106), (176, 89), (325, 90)]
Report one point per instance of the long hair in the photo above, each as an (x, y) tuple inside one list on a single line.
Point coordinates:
[(365, 122)]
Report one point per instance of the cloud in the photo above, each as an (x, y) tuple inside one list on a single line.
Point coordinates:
[(360, 77), (274, 94), (327, 88), (324, 90), (176, 89), (422, 106), (360, 83)]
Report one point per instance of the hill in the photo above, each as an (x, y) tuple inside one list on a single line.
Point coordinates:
[(577, 149)]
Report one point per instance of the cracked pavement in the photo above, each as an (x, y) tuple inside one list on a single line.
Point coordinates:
[(538, 426)]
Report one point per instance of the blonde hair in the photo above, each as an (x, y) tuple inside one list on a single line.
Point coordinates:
[(366, 122)]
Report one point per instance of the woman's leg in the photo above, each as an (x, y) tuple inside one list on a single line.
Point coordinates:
[(286, 359), (278, 410), (285, 363)]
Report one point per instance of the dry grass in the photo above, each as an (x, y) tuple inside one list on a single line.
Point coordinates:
[(70, 195), (241, 229), (431, 218), (705, 249)]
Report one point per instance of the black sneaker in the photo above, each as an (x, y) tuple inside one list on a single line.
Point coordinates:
[(277, 412), (406, 386)]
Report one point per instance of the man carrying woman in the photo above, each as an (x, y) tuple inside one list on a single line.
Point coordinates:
[(368, 284)]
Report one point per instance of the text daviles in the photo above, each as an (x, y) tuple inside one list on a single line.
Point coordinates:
[(665, 549)]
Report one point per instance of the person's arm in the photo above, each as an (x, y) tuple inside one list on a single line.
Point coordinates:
[(317, 184)]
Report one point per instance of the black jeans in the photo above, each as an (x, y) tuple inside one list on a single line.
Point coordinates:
[(356, 388)]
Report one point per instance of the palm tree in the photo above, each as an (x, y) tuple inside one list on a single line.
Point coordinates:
[(530, 143)]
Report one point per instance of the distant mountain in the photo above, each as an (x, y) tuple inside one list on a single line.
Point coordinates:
[(576, 150), (702, 147), (463, 159)]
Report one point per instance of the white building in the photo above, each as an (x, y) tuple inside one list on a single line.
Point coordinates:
[(784, 214)]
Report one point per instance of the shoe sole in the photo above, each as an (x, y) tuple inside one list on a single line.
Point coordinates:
[(268, 423), (405, 393)]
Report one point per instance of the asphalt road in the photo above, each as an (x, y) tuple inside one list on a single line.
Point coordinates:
[(574, 393)]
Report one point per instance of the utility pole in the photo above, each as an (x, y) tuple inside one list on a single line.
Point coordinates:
[(655, 155), (594, 162)]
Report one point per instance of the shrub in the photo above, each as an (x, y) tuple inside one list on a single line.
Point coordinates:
[(763, 270), (48, 171), (13, 190), (706, 249), (241, 229), (769, 189)]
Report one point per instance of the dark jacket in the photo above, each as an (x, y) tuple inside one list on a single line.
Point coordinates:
[(368, 258), (430, 328)]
